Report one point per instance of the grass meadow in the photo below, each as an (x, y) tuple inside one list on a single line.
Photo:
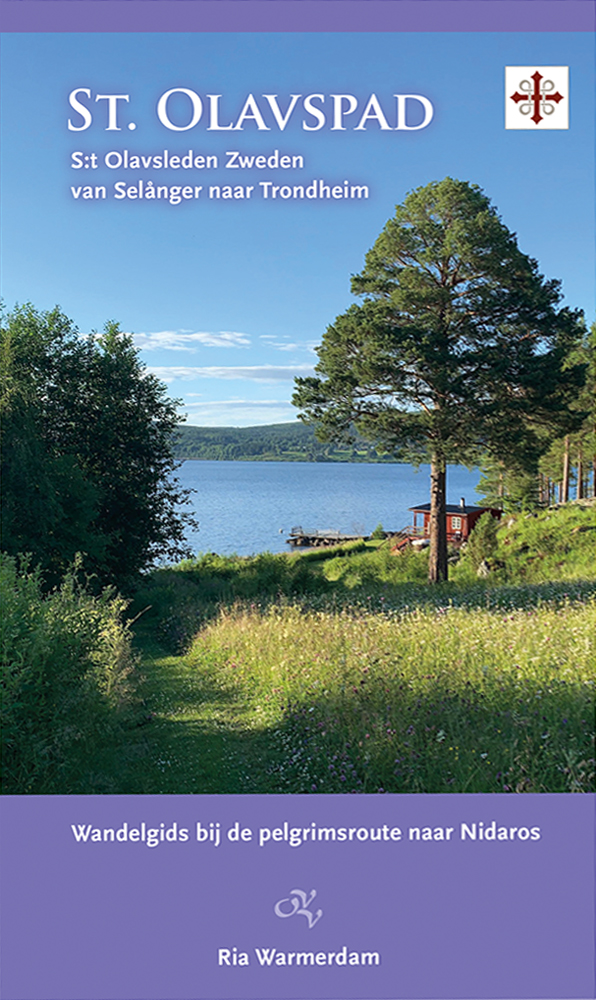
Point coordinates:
[(344, 672), (421, 699)]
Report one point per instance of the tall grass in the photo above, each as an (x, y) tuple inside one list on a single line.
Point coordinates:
[(175, 602), (342, 670), (424, 700), (336, 670), (66, 665)]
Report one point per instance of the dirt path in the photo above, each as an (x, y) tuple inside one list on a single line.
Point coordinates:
[(192, 736)]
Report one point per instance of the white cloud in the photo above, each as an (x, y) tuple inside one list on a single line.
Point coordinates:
[(239, 412), (288, 347), (254, 373), (283, 344), (236, 402), (184, 340)]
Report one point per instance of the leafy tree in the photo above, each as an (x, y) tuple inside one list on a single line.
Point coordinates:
[(459, 344), (87, 457)]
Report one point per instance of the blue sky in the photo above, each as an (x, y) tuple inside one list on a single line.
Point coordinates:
[(227, 299)]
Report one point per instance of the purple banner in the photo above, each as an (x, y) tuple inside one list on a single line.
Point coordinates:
[(298, 15), (129, 897)]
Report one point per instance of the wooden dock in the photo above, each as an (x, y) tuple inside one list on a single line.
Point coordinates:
[(298, 538)]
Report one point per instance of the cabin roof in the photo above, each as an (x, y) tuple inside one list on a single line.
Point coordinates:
[(450, 508)]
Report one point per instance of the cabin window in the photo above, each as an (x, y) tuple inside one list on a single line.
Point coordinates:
[(456, 523)]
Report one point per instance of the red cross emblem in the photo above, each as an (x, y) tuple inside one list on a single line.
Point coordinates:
[(535, 95)]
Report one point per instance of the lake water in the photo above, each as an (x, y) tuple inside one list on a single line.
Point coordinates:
[(249, 507)]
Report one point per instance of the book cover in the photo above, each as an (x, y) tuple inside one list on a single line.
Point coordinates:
[(307, 778)]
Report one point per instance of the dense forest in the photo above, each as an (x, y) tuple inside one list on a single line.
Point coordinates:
[(292, 442)]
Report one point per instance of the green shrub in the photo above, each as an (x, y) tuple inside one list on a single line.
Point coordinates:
[(482, 543), (66, 665)]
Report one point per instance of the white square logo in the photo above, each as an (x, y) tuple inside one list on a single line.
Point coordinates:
[(536, 97)]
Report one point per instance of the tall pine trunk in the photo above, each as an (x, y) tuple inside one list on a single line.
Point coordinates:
[(579, 493), (594, 463), (565, 489), (437, 563)]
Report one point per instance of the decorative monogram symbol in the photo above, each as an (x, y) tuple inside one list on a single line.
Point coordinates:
[(299, 904), (534, 95)]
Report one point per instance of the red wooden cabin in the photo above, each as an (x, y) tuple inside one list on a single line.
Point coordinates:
[(460, 520)]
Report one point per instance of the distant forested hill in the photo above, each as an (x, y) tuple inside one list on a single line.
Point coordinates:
[(292, 442)]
